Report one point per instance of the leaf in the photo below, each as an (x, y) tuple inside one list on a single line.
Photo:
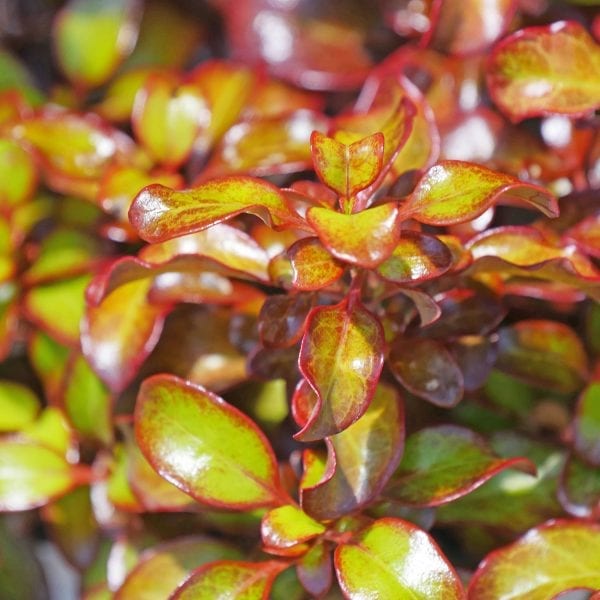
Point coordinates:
[(119, 333), (159, 213), (286, 526), (230, 579), (204, 446), (347, 168), (365, 238), (18, 174), (19, 406), (445, 462), (544, 353), (586, 425), (416, 258), (313, 267), (549, 559), (427, 369), (553, 69), (32, 475), (281, 319), (92, 37), (49, 360), (453, 192), (360, 460), (579, 489), (393, 558), (51, 430), (315, 569), (162, 568), (341, 357)]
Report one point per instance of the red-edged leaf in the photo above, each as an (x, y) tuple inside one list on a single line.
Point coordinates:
[(281, 319), (315, 570), (427, 369), (586, 425), (286, 526), (417, 257), (586, 234), (119, 333), (360, 460), (219, 456), (543, 353), (230, 579), (393, 558), (160, 213), (579, 489), (546, 70), (313, 267), (347, 168), (454, 192), (161, 569), (549, 559), (426, 307), (341, 357), (365, 238), (446, 462)]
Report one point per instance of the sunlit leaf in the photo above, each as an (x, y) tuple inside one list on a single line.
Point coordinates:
[(454, 192), (51, 429), (549, 559), (313, 267), (395, 559), (18, 174), (586, 425), (446, 462), (159, 213), (341, 357), (546, 70), (204, 446), (18, 405), (285, 526), (360, 459)]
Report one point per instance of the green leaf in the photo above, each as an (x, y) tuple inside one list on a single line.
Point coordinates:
[(360, 459), (49, 360), (579, 489), (287, 526), (51, 430), (395, 559), (31, 475), (547, 560), (446, 462), (19, 406), (162, 568), (204, 446), (313, 267), (427, 369), (18, 174), (159, 213), (347, 169), (231, 580), (554, 69), (453, 192), (365, 238), (544, 353), (586, 425), (341, 357), (92, 37)]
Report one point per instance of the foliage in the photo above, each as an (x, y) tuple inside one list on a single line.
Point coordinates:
[(301, 300)]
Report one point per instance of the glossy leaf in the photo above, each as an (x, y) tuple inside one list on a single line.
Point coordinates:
[(92, 37), (546, 70), (235, 580), (586, 425), (315, 569), (347, 168), (427, 369), (18, 405), (18, 174), (281, 319), (31, 475), (163, 568), (454, 192), (313, 267), (286, 526), (446, 462), (417, 257), (220, 457), (341, 356), (549, 559), (119, 333), (395, 559), (544, 353), (159, 213), (375, 233), (360, 459)]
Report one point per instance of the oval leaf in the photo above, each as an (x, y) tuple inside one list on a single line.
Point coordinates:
[(18, 406), (546, 70), (555, 557), (586, 425), (341, 356), (395, 559), (313, 267), (204, 446), (446, 462), (286, 526), (453, 192)]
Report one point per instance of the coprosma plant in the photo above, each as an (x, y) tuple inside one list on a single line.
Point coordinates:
[(358, 355)]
